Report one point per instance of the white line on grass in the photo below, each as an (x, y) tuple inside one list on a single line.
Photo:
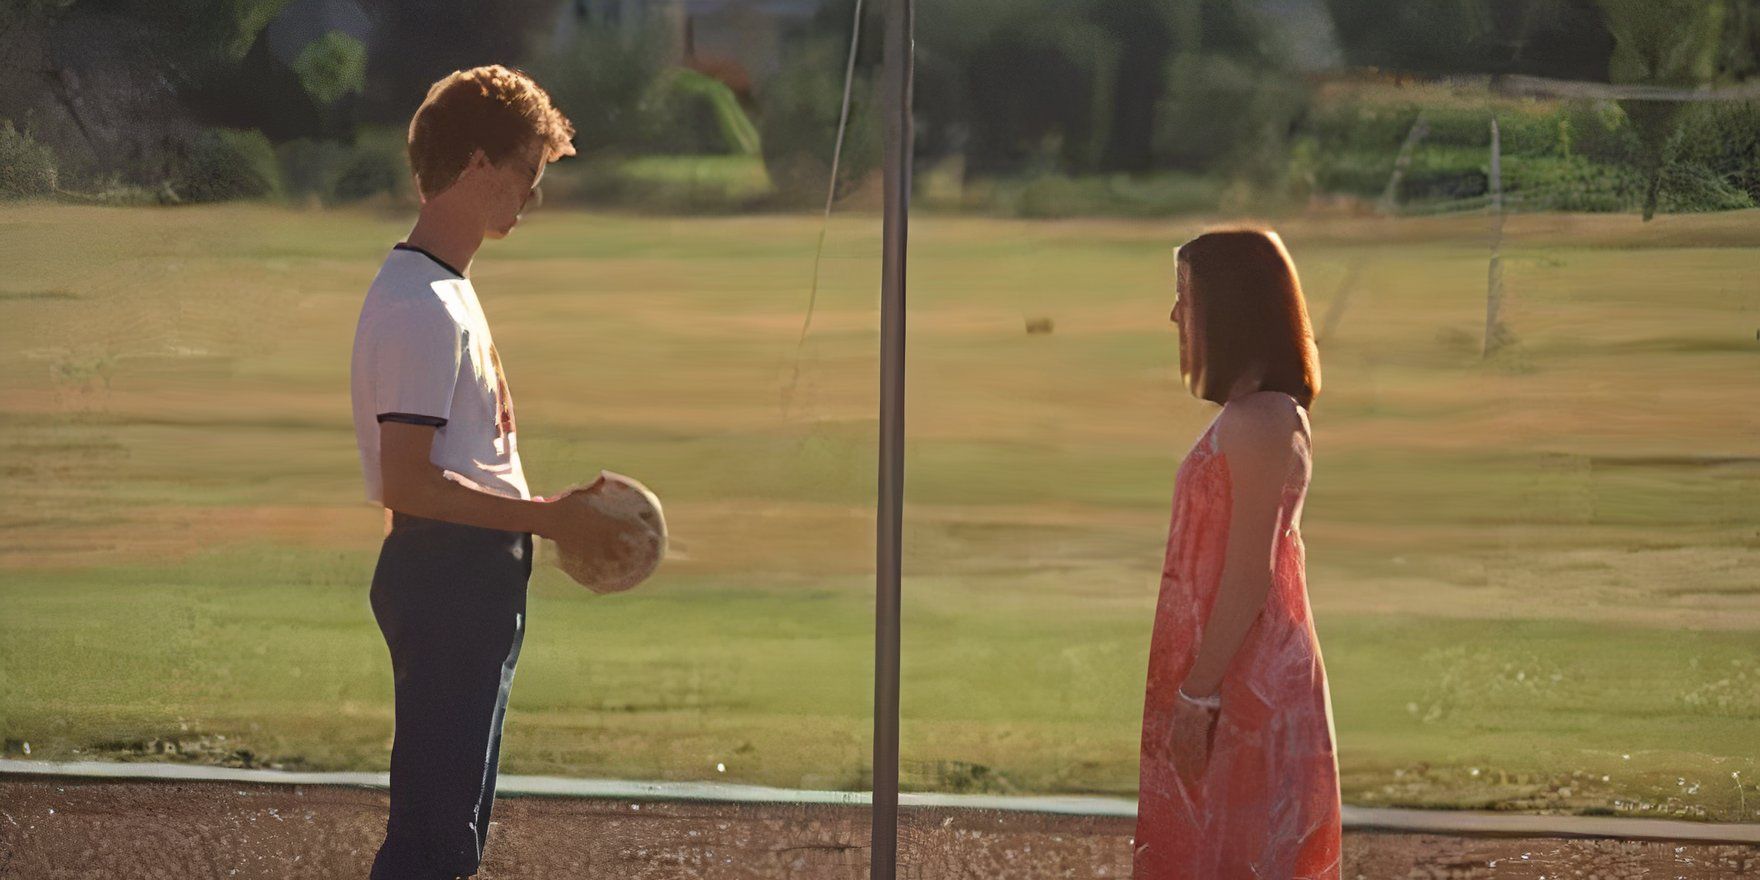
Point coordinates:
[(1449, 822)]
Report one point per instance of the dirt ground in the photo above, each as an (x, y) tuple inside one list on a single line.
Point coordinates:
[(58, 829)]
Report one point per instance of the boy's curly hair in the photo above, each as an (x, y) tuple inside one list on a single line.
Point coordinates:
[(496, 109)]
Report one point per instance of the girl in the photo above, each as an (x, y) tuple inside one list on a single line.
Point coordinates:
[(1239, 778)]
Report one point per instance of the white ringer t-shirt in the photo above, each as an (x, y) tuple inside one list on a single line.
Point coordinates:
[(423, 354)]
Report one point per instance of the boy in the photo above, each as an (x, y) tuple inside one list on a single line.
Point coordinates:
[(435, 429)]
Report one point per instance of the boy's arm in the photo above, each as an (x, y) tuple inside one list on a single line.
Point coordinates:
[(414, 485)]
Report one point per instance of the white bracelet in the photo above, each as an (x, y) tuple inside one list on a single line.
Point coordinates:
[(1214, 701)]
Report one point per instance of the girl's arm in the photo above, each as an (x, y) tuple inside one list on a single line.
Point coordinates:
[(1262, 437)]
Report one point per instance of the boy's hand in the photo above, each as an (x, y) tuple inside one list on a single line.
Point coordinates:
[(579, 524), (600, 481)]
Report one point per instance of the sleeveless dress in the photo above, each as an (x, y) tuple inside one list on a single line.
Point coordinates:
[(1267, 805)]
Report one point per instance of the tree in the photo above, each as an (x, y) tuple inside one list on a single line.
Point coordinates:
[(416, 44), (1555, 38), (333, 65), (1143, 32), (109, 84), (1039, 89), (1667, 43), (1228, 95), (1681, 43), (598, 81)]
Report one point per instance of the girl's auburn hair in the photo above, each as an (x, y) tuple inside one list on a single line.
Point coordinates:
[(1251, 311)]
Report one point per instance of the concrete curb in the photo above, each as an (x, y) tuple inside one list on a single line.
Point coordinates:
[(1458, 823)]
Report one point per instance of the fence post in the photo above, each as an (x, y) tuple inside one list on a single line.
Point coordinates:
[(1494, 278), (1390, 196)]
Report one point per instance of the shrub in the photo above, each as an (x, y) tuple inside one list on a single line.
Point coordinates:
[(1372, 128), (1689, 187), (1351, 125), (378, 163), (798, 114), (1354, 172), (1598, 130), (27, 168), (310, 167), (1442, 171), (1723, 139), (335, 172), (332, 66), (1039, 92), (1576, 183), (1222, 113), (1116, 195), (661, 184), (599, 82), (223, 164), (685, 112)]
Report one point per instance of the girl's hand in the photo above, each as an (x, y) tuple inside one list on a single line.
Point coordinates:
[(1190, 736)]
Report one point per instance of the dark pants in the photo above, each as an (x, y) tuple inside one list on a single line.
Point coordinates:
[(451, 601)]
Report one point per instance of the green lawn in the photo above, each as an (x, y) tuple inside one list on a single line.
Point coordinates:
[(1533, 576)]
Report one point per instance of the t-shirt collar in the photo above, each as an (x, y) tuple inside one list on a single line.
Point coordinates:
[(406, 246)]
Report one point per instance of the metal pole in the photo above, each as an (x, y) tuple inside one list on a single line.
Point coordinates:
[(896, 101)]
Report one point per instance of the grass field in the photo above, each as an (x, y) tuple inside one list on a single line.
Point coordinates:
[(1534, 577)]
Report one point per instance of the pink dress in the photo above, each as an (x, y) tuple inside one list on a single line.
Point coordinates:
[(1267, 805)]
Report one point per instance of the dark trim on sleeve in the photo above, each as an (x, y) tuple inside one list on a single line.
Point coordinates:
[(412, 419), (406, 246)]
